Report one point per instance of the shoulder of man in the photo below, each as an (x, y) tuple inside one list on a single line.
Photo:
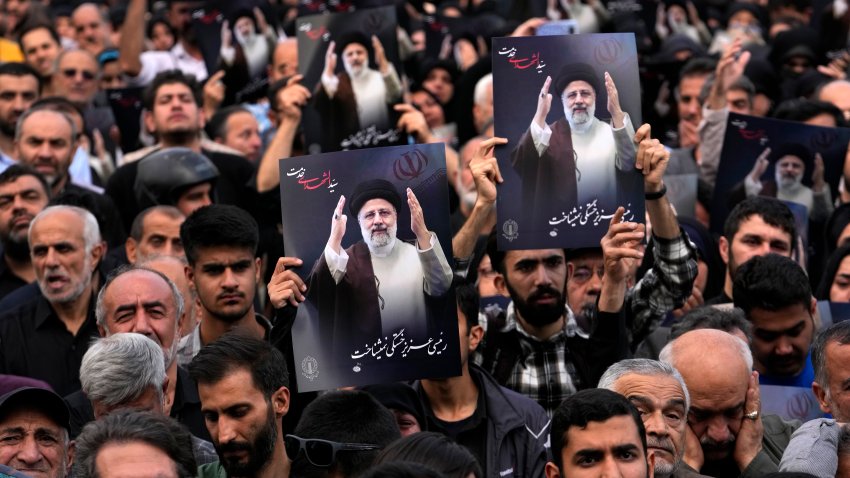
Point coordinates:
[(212, 470), (510, 408)]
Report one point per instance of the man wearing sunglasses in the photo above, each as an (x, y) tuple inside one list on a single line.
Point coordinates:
[(243, 384)]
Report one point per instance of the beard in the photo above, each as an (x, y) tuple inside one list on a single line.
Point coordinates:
[(179, 136), (7, 128), (535, 313), (716, 451), (665, 468), (76, 290), (259, 451), (354, 71), (379, 236), (467, 196), (788, 182), (580, 121)]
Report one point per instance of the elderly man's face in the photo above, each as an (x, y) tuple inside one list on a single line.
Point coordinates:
[(579, 102), (141, 302), (355, 57), (378, 220), (660, 401), (160, 237), (584, 282), (77, 77), (32, 443), (833, 396), (117, 460), (789, 171), (63, 266)]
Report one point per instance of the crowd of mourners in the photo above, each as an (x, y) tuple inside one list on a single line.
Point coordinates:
[(147, 303)]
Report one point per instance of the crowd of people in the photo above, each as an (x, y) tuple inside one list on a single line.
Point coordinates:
[(147, 303)]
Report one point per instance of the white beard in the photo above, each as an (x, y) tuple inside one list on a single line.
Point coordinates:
[(382, 243), (467, 196), (354, 72), (581, 122), (788, 184)]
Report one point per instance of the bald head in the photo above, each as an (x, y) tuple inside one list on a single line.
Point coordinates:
[(838, 93), (706, 347), (285, 60)]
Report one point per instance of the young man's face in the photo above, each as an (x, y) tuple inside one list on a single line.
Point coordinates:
[(781, 339), (536, 281), (174, 111), (20, 201), (40, 50), (612, 448), (225, 279), (754, 238), (194, 198), (243, 423)]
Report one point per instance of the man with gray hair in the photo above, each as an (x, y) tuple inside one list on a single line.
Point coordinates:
[(725, 413), (661, 397), (146, 302), (127, 371), (45, 337)]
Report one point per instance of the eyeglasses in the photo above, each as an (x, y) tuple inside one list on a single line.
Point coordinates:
[(72, 73), (321, 453)]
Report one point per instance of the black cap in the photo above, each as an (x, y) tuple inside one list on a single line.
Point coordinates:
[(373, 189), (353, 37), (576, 72), (44, 400)]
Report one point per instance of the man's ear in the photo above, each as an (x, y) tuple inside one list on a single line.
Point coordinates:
[(500, 283), (71, 454), (570, 269), (552, 470), (476, 333), (190, 276), (97, 253), (280, 401), (258, 266), (724, 249), (820, 395), (130, 248), (147, 119)]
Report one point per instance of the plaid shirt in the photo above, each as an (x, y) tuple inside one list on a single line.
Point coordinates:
[(543, 372), (664, 287)]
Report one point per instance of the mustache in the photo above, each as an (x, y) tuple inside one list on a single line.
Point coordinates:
[(666, 445), (542, 291), (710, 444)]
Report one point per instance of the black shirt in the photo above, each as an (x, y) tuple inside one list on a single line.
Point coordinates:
[(470, 432), (186, 408), (35, 343), (9, 282)]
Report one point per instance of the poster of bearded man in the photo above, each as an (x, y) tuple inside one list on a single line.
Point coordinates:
[(567, 105), (372, 229)]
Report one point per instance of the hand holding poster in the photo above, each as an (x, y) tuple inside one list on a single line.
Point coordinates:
[(378, 308), (571, 152)]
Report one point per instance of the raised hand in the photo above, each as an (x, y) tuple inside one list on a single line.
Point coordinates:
[(617, 115), (651, 159), (412, 121), (286, 287), (485, 170), (818, 182), (330, 60), (544, 104), (380, 55), (417, 221), (226, 35), (292, 98), (761, 165), (620, 247), (338, 222)]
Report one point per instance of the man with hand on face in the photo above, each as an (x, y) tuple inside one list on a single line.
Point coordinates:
[(573, 161), (727, 434), (383, 283), (661, 397), (360, 96)]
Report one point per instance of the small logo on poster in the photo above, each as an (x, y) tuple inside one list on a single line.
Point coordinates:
[(357, 368), (310, 368), (510, 229)]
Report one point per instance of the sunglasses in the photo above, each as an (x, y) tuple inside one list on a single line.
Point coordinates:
[(320, 453), (72, 73)]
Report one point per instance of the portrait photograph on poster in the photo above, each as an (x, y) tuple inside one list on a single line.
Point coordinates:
[(372, 229), (569, 106), (793, 162), (351, 65)]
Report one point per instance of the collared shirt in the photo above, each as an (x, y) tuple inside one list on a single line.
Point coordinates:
[(190, 344), (35, 343), (664, 287), (155, 62), (543, 372)]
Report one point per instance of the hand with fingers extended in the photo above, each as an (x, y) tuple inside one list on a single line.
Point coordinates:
[(818, 183), (286, 287), (617, 115), (621, 247), (214, 92), (651, 159), (330, 60), (761, 165), (544, 104), (417, 221), (748, 443), (338, 222), (485, 171), (380, 56)]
